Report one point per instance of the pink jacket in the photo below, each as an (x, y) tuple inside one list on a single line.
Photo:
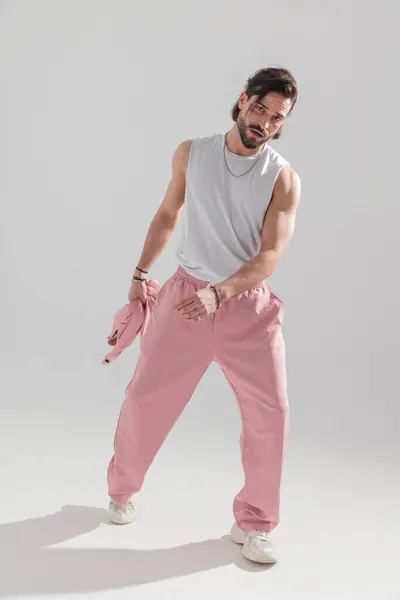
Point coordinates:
[(131, 319)]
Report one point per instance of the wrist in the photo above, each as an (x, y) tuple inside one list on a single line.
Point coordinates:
[(222, 293), (141, 272), (217, 296)]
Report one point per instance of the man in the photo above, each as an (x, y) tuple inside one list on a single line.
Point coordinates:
[(240, 198)]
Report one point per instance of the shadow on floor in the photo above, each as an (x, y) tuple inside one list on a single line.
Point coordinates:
[(28, 566)]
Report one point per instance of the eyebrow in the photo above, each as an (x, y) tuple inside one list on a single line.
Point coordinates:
[(278, 114)]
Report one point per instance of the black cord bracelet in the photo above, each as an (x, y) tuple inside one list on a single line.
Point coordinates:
[(141, 270), (216, 296), (138, 279)]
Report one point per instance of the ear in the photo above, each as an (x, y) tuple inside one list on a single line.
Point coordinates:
[(242, 100)]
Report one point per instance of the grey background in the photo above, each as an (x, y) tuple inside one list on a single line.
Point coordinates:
[(94, 98)]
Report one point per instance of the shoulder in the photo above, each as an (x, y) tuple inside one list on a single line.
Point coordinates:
[(181, 156), (202, 145), (288, 177), (183, 150), (286, 174), (287, 188)]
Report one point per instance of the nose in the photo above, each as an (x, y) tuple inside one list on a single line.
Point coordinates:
[(264, 126)]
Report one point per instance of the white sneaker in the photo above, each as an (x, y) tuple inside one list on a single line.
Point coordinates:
[(121, 514), (256, 545)]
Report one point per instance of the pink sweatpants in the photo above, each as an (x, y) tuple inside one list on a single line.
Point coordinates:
[(245, 339)]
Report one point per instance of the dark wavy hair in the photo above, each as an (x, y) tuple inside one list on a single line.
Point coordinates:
[(264, 81)]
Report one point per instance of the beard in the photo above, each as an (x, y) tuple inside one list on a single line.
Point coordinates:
[(248, 141)]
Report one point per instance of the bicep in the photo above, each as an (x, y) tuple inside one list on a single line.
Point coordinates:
[(174, 198), (280, 219)]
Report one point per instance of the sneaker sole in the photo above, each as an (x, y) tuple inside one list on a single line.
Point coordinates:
[(238, 536), (265, 560), (115, 520)]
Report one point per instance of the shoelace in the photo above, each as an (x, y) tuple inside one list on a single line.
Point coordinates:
[(263, 536), (122, 506)]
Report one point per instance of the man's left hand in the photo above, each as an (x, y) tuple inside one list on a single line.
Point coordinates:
[(201, 304)]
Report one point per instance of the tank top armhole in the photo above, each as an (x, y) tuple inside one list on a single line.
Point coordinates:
[(280, 167), (191, 158), (284, 164)]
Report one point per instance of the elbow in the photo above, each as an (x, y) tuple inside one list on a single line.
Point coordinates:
[(270, 258), (167, 219)]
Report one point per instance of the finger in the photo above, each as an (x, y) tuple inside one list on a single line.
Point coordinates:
[(194, 307), (193, 314), (185, 303), (188, 304)]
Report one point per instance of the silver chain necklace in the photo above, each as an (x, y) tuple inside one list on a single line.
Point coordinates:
[(241, 174)]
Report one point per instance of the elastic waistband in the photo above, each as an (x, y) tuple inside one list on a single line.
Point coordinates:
[(182, 274)]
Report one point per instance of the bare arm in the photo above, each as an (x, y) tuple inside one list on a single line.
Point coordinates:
[(277, 232), (167, 216)]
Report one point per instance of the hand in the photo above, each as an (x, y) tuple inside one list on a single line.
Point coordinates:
[(138, 290), (143, 290), (202, 303)]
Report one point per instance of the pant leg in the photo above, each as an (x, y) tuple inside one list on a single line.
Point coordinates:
[(251, 352), (174, 354)]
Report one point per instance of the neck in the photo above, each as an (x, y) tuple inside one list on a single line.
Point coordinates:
[(235, 145)]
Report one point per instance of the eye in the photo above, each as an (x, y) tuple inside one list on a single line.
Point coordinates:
[(260, 108)]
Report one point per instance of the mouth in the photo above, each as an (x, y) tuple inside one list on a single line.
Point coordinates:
[(256, 133)]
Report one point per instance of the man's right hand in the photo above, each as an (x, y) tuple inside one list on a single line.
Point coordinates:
[(137, 290)]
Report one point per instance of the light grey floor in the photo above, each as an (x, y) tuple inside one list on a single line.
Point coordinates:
[(338, 539)]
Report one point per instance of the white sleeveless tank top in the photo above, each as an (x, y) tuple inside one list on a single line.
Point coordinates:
[(223, 215)]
